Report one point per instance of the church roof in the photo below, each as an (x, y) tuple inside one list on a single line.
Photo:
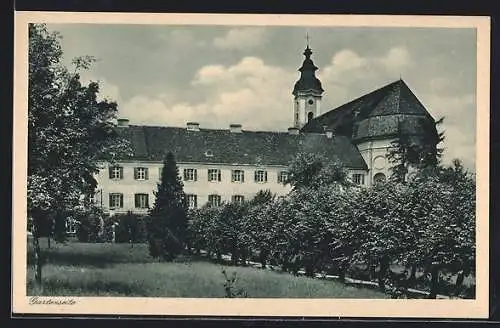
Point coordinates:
[(151, 143), (308, 81), (376, 114)]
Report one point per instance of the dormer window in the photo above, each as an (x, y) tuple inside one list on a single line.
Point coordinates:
[(209, 153)]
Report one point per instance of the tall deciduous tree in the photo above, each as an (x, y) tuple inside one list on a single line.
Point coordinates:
[(70, 132), (312, 170), (167, 228), (420, 152)]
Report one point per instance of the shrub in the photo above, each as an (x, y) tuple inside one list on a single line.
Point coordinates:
[(230, 289), (90, 229), (131, 228)]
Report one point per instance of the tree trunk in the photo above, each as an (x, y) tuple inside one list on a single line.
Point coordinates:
[(372, 272), (37, 254), (244, 257), (342, 272), (384, 265), (309, 270), (263, 258), (413, 274), (459, 282), (234, 257), (434, 282)]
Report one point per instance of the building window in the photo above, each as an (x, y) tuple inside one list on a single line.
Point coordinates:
[(71, 226), (116, 172), (214, 200), (260, 176), (238, 198), (160, 172), (238, 176), (190, 175), (282, 177), (214, 175), (309, 116), (192, 201), (358, 178), (141, 173), (141, 201), (115, 200)]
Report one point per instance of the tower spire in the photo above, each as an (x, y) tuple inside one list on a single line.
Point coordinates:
[(307, 90)]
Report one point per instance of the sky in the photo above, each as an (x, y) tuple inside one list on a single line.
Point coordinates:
[(167, 75)]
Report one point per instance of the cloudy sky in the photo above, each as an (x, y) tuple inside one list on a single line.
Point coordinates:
[(217, 75)]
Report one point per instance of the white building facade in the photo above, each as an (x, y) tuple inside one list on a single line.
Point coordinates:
[(130, 185)]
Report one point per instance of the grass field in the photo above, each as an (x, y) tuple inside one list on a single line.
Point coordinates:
[(78, 269)]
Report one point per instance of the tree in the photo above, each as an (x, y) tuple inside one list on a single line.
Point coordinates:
[(167, 228), (235, 239), (262, 197), (70, 133), (387, 235), (259, 225), (206, 230), (314, 170), (452, 237), (430, 152), (420, 152)]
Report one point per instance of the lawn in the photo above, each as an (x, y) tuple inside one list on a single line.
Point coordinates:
[(79, 269)]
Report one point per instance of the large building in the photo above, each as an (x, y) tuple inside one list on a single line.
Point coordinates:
[(233, 164)]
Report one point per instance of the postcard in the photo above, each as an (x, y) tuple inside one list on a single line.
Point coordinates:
[(251, 165)]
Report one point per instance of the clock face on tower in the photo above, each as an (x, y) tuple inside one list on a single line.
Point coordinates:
[(310, 101)]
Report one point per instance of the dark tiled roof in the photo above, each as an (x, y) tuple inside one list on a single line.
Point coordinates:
[(377, 114), (247, 147)]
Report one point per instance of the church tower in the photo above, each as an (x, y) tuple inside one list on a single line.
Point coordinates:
[(307, 92)]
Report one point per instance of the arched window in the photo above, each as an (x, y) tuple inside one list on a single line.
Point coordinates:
[(379, 178), (309, 116)]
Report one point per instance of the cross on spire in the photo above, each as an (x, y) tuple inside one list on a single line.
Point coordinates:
[(307, 39)]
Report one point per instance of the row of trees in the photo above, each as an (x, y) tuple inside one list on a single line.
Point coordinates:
[(425, 225)]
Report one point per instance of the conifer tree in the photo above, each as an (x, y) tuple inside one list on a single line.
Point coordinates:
[(167, 226), (420, 152), (400, 153)]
